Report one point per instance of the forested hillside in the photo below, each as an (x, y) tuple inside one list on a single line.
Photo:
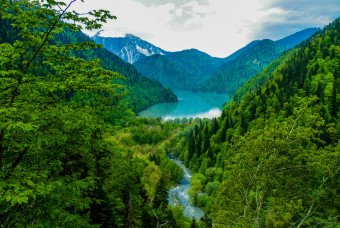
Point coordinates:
[(229, 76), (143, 91), (182, 70), (260, 79), (158, 67), (272, 158)]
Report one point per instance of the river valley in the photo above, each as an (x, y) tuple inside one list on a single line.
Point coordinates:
[(178, 196)]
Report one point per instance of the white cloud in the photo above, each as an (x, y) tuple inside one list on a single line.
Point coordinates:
[(217, 27)]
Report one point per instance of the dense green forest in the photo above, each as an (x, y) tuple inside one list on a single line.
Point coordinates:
[(183, 70), (272, 158), (71, 155)]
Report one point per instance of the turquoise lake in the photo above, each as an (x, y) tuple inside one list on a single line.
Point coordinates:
[(189, 105)]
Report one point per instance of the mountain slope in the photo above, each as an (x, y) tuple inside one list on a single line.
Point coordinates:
[(130, 48), (271, 158), (182, 70), (232, 74), (259, 79), (163, 70), (241, 51), (296, 38)]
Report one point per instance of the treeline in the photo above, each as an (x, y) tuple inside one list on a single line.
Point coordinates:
[(271, 158)]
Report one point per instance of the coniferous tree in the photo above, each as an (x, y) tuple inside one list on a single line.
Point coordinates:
[(196, 130), (191, 148), (199, 145), (194, 223), (224, 130), (214, 126), (319, 93), (161, 193), (207, 221), (334, 107), (210, 154), (206, 138)]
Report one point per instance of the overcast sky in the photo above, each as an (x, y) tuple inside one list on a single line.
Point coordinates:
[(217, 27)]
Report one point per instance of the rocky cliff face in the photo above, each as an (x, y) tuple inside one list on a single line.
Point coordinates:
[(128, 47)]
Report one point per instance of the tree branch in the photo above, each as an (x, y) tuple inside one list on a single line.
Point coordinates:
[(309, 212), (15, 92)]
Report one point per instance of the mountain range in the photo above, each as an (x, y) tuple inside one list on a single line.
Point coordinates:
[(195, 70)]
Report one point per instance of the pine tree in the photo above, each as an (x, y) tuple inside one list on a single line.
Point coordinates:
[(334, 107), (224, 130), (206, 138), (207, 221), (199, 145), (161, 193), (194, 223), (243, 126), (214, 126), (196, 130), (191, 148), (210, 154)]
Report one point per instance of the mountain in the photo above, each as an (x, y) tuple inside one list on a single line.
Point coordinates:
[(234, 73), (128, 47), (296, 38), (183, 70)]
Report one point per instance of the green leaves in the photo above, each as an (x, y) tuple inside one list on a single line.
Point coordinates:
[(50, 131)]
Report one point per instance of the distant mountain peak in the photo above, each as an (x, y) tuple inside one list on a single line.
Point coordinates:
[(127, 46)]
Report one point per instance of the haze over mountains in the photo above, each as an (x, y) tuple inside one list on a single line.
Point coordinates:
[(195, 70)]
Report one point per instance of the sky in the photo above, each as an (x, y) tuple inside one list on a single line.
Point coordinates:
[(217, 27)]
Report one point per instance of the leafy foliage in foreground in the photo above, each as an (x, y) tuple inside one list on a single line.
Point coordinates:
[(272, 158), (59, 166)]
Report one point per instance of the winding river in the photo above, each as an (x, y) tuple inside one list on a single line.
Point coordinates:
[(179, 194)]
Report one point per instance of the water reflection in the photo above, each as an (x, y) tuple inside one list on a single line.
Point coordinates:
[(189, 105)]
